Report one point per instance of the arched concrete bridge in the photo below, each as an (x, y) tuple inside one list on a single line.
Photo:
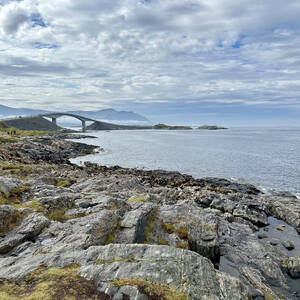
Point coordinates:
[(54, 116)]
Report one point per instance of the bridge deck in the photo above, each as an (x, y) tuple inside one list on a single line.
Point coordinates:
[(57, 115)]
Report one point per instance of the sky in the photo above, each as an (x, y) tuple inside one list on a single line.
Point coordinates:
[(233, 62)]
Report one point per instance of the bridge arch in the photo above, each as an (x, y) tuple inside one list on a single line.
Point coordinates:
[(55, 116)]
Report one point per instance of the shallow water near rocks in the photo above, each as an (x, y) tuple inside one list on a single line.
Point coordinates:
[(289, 233)]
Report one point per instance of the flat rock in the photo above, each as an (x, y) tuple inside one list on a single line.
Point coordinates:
[(179, 269)]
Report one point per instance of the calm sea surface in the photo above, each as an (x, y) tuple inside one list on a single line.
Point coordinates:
[(269, 158)]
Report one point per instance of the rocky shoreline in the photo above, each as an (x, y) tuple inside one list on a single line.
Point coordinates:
[(95, 232)]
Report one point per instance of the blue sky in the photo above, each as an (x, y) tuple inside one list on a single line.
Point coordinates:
[(179, 61)]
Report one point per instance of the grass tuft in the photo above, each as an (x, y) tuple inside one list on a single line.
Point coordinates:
[(152, 290), (137, 200), (51, 284)]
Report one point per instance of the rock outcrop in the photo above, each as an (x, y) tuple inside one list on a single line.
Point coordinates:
[(137, 234)]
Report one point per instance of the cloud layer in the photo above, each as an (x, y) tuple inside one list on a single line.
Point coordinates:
[(65, 54)]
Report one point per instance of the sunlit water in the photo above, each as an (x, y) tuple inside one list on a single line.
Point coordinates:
[(268, 158)]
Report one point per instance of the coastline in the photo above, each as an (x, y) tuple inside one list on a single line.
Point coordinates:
[(95, 215)]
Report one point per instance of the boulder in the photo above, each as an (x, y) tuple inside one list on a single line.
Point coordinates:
[(293, 266), (29, 228), (6, 212), (7, 185)]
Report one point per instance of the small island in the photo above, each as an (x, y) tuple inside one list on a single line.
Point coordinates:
[(211, 127), (164, 126)]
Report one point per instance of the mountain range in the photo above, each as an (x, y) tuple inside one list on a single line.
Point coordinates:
[(104, 114)]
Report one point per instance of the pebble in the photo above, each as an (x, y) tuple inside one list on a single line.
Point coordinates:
[(262, 236), (281, 227)]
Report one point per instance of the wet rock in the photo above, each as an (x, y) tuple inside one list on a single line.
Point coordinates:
[(255, 216), (229, 185), (293, 266), (274, 242), (262, 236), (288, 245), (286, 209), (281, 227)]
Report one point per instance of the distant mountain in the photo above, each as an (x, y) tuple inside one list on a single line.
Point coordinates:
[(6, 111), (104, 114), (112, 115)]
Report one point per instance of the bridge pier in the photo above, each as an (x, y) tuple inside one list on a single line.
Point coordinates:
[(54, 121), (83, 125)]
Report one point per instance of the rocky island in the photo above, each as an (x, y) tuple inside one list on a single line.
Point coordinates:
[(96, 232), (211, 127)]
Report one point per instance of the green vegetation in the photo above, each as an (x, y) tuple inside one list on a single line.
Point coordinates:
[(14, 197), (50, 284), (182, 232), (152, 290), (150, 225), (59, 215), (112, 206), (35, 205), (137, 200), (64, 183), (110, 238), (164, 126), (110, 261), (168, 227), (4, 129), (162, 242), (182, 246), (10, 223), (211, 127), (20, 170)]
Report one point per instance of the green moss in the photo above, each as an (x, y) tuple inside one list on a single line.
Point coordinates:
[(64, 183), (152, 290), (113, 206), (22, 170), (162, 242), (150, 225), (137, 200), (59, 215), (50, 284), (269, 296), (15, 195), (182, 232), (128, 259), (110, 237), (35, 205), (182, 246), (168, 227), (11, 222)]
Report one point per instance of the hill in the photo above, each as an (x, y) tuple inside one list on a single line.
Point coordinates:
[(104, 114)]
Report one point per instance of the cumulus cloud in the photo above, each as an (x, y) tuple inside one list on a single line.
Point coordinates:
[(127, 51)]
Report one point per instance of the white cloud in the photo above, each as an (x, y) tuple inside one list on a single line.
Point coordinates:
[(100, 52)]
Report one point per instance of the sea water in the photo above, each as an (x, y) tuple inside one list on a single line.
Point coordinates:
[(266, 157)]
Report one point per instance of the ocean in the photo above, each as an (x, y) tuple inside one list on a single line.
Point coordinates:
[(266, 157)]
